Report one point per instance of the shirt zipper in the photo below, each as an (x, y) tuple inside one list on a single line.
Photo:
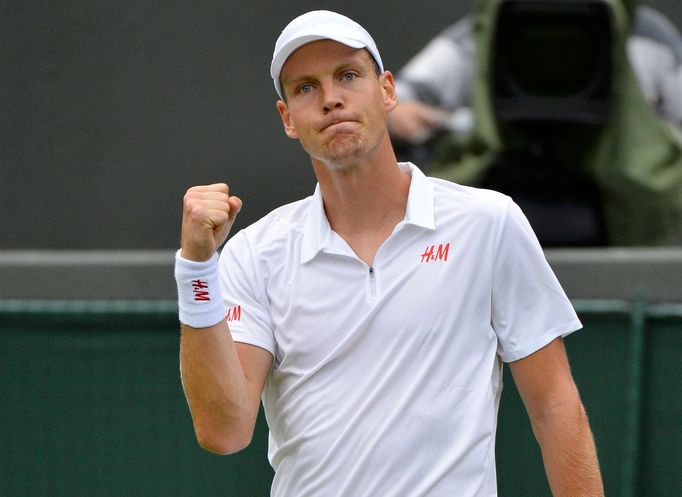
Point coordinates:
[(372, 282)]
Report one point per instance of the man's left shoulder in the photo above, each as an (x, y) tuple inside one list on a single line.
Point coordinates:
[(473, 199)]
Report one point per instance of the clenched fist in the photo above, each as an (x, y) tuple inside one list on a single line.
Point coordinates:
[(208, 213)]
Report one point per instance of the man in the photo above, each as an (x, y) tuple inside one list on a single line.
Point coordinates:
[(372, 317)]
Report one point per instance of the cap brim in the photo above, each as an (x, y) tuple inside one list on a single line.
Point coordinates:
[(299, 41)]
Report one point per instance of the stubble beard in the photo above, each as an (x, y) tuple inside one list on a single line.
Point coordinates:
[(338, 151)]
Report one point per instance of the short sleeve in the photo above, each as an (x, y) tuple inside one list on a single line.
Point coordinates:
[(437, 75), (247, 311), (529, 307)]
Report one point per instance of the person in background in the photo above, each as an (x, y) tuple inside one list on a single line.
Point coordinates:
[(607, 171), (435, 86)]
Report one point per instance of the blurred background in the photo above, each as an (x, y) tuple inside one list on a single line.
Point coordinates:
[(110, 111)]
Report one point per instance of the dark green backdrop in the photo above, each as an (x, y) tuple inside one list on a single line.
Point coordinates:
[(91, 405)]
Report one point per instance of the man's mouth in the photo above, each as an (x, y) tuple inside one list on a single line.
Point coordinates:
[(337, 120)]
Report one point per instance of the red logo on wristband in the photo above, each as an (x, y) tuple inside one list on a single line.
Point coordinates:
[(199, 288)]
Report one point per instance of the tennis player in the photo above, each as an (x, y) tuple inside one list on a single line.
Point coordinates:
[(372, 319)]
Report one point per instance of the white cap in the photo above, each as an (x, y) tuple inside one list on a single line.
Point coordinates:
[(319, 25)]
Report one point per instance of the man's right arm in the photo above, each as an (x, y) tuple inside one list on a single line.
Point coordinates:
[(222, 380)]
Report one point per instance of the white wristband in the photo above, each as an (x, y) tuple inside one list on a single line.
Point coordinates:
[(200, 302)]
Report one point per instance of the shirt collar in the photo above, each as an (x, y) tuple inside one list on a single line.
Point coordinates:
[(317, 234), (420, 201)]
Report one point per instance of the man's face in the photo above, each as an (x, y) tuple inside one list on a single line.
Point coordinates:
[(336, 104)]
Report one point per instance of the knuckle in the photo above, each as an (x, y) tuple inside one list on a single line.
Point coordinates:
[(190, 203), (194, 212), (189, 197)]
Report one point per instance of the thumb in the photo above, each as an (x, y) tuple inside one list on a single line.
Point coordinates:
[(221, 233), (235, 204)]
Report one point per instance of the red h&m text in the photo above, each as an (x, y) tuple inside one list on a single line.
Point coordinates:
[(200, 289), (234, 313), (436, 254)]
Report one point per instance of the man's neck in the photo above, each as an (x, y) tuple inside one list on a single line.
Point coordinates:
[(364, 202)]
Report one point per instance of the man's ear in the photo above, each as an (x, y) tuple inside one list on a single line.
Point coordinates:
[(289, 127), (388, 90)]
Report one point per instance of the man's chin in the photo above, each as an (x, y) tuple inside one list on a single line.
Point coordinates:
[(342, 149)]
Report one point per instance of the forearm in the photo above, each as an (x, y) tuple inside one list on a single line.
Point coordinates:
[(568, 452), (216, 389)]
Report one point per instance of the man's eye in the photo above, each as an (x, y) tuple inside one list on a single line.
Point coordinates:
[(305, 88), (349, 76)]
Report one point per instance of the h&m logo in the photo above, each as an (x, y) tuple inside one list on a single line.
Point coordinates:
[(436, 254), (234, 313), (200, 289)]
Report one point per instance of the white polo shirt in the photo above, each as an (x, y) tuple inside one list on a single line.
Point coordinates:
[(386, 380)]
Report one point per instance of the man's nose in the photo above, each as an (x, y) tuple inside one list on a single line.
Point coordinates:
[(331, 97)]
